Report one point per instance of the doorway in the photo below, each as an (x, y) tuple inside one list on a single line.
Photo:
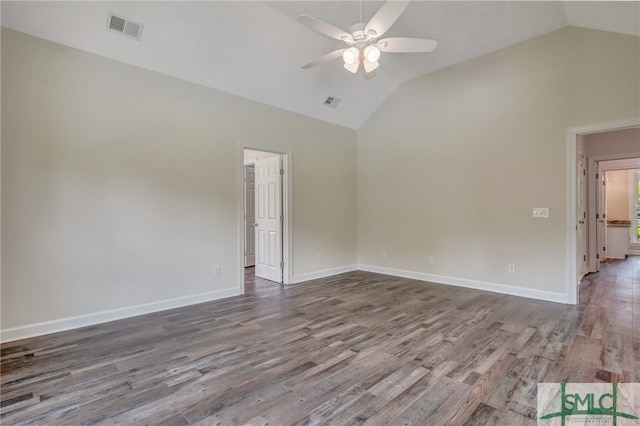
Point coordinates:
[(575, 241), (265, 216), (618, 207), (599, 219)]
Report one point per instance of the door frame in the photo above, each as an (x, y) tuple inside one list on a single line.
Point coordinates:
[(572, 198), (287, 210)]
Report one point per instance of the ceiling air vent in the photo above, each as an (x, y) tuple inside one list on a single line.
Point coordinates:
[(124, 26), (331, 102)]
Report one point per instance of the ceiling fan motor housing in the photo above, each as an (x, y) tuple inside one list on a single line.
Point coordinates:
[(360, 38)]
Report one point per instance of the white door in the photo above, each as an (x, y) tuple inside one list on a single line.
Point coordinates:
[(268, 219), (249, 216), (581, 220), (601, 218)]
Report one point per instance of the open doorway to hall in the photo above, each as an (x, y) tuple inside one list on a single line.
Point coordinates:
[(585, 148), (621, 208), (264, 199), (606, 200)]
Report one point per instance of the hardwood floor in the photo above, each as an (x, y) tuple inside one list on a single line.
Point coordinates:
[(351, 349)]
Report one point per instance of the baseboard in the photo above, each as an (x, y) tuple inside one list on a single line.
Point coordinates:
[(65, 324), (297, 279), (478, 285)]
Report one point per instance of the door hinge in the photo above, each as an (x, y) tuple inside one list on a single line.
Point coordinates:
[(584, 257), (281, 265), (597, 175), (597, 255), (597, 215), (282, 172), (604, 249)]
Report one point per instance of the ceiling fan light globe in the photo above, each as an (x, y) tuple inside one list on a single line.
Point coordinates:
[(371, 54), (370, 66), (352, 67), (350, 56)]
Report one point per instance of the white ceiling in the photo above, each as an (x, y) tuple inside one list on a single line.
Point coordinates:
[(255, 49)]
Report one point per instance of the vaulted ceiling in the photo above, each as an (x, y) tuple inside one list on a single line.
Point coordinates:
[(255, 49)]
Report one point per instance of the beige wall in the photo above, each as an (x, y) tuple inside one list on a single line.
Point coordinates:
[(453, 163), (251, 155), (618, 187), (119, 185), (620, 142)]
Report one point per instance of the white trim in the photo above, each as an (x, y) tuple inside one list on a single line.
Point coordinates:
[(64, 324), (241, 223), (287, 207), (463, 282), (633, 177), (297, 279), (572, 196), (572, 201)]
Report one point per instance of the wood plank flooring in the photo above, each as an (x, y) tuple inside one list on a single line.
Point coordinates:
[(351, 349)]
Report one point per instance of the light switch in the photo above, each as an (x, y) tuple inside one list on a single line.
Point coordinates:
[(541, 212)]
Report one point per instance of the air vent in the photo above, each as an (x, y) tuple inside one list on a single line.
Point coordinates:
[(331, 102), (124, 26)]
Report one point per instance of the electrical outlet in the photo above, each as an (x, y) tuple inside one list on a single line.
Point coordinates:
[(216, 271), (511, 268), (318, 257), (432, 260), (383, 254), (541, 212)]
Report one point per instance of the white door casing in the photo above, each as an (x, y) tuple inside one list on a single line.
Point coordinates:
[(249, 216), (268, 188)]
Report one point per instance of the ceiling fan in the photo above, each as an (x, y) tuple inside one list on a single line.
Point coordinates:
[(363, 43)]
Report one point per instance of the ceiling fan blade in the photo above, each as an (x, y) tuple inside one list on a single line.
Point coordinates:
[(404, 44), (386, 16), (324, 58), (324, 28)]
